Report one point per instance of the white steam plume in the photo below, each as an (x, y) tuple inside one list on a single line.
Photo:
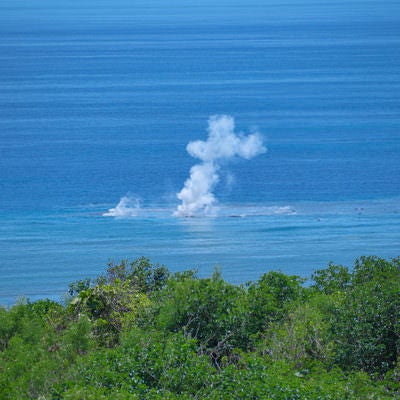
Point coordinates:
[(222, 144), (128, 207)]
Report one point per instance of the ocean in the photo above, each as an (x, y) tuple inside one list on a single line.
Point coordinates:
[(107, 112)]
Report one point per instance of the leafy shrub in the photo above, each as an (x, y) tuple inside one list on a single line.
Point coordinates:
[(208, 310), (366, 320), (270, 299)]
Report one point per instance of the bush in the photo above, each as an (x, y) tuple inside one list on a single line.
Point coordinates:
[(139, 333), (366, 321), (208, 310)]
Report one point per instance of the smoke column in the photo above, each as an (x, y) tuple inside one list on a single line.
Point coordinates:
[(222, 144)]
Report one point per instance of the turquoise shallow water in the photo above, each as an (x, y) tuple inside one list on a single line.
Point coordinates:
[(45, 252), (98, 101)]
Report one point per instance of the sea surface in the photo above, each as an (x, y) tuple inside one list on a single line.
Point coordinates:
[(99, 99)]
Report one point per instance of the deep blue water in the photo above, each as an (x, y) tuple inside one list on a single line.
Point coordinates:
[(99, 100)]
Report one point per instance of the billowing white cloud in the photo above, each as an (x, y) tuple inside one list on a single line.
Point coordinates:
[(221, 145)]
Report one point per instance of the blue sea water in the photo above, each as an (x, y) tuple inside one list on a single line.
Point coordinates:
[(98, 101)]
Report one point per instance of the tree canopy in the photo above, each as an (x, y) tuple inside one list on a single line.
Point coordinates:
[(140, 332)]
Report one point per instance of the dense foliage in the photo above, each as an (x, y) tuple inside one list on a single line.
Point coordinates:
[(140, 332)]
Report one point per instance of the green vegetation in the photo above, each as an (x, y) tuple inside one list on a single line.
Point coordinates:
[(140, 332)]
